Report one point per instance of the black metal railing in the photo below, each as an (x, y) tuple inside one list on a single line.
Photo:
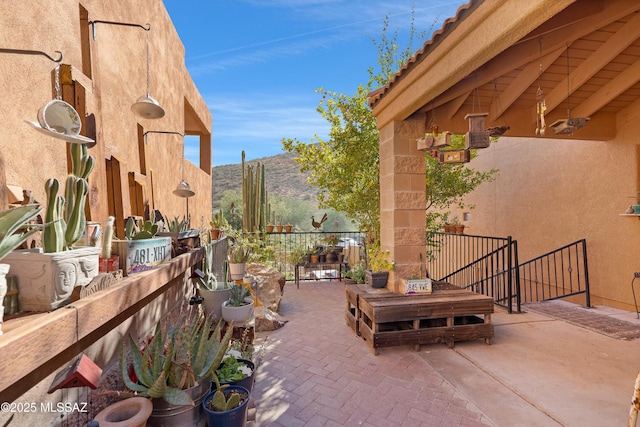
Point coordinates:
[(485, 265), (557, 274), (283, 244)]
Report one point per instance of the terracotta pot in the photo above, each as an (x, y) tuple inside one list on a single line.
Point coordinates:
[(288, 228), (279, 228), (133, 412), (216, 233), (269, 228), (314, 258), (460, 229)]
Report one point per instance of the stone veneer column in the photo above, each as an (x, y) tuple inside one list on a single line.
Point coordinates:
[(402, 198)]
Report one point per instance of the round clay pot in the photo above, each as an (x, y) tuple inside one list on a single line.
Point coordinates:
[(132, 412)]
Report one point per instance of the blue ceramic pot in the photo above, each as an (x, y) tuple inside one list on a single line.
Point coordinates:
[(236, 417)]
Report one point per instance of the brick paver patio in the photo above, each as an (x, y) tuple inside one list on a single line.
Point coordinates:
[(316, 372)]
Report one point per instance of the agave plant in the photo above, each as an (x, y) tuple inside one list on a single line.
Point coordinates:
[(177, 358), (15, 227)]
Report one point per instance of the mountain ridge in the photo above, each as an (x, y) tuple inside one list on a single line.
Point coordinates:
[(283, 179)]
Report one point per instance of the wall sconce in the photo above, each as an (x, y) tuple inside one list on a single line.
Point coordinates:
[(146, 137), (146, 107)]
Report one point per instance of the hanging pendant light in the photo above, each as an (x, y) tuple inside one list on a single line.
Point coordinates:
[(184, 190), (146, 106)]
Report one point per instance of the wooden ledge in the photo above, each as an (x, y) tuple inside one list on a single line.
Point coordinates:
[(39, 347)]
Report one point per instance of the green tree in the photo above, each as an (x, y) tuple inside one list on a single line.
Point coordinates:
[(346, 167)]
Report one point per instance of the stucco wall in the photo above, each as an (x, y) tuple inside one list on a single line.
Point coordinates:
[(549, 193), (116, 79)]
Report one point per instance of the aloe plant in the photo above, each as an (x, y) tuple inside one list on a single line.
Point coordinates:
[(178, 357), (15, 228)]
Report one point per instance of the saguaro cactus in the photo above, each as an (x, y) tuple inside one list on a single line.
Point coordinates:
[(67, 212), (254, 197)]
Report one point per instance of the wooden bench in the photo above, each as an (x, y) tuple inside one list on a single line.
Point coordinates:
[(384, 318)]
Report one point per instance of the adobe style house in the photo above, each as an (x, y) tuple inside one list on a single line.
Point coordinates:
[(101, 47), (503, 58)]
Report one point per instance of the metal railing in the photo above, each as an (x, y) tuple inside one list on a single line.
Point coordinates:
[(557, 274), (283, 244), (485, 265)]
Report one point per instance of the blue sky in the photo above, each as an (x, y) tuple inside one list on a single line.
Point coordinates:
[(258, 63)]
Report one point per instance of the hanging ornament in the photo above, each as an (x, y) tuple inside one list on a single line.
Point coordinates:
[(541, 104), (477, 137), (497, 131), (570, 124)]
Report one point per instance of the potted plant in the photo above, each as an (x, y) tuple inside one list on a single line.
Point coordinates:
[(226, 406), (213, 292), (183, 238), (379, 267), (239, 307), (61, 264), (355, 275), (288, 228), (176, 368), (141, 250), (239, 252), (234, 370), (14, 230), (218, 223), (297, 256), (457, 227)]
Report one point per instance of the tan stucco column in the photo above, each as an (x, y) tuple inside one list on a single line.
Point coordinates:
[(402, 198)]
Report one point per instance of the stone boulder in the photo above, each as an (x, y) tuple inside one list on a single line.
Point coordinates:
[(268, 284), (267, 320)]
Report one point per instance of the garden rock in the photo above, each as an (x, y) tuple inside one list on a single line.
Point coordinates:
[(267, 320), (268, 284)]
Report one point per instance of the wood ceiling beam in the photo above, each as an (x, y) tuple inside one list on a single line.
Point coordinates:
[(528, 50), (455, 105), (617, 43), (525, 79), (630, 113), (608, 92)]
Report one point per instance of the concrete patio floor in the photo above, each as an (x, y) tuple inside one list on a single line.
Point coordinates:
[(539, 371)]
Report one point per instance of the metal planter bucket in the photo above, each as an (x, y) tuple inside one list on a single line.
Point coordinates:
[(166, 415)]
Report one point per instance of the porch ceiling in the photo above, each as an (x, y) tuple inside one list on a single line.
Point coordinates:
[(597, 76)]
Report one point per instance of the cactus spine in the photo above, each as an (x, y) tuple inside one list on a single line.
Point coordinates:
[(254, 197), (68, 211)]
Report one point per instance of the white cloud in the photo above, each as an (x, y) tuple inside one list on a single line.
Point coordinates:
[(257, 124)]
